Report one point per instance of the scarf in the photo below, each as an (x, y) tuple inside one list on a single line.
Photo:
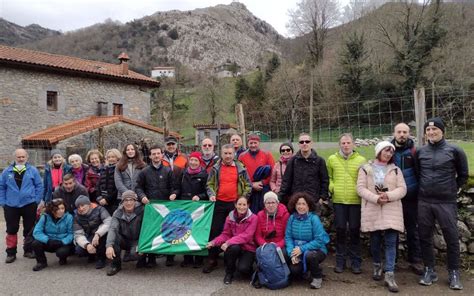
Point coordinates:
[(238, 217), (284, 159), (301, 216), (193, 171), (78, 174)]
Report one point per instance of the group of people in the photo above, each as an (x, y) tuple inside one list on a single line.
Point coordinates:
[(96, 209)]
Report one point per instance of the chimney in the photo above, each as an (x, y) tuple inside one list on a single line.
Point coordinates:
[(123, 58)]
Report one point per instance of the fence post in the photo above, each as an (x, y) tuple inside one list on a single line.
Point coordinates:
[(420, 114), (239, 114)]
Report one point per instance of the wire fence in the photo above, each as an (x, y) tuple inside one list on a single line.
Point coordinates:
[(365, 119)]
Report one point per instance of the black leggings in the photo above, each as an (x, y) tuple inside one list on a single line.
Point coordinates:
[(62, 252), (245, 260), (313, 260)]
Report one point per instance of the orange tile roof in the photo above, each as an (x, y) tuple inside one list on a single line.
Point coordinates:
[(214, 126), (54, 134), (28, 57)]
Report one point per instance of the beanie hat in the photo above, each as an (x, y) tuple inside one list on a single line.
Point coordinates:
[(54, 152), (196, 154), (270, 195), (129, 194), (253, 137), (288, 145), (381, 146), (435, 121), (82, 200)]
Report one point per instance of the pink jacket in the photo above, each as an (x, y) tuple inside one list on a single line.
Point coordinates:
[(380, 217), (238, 233), (266, 225), (276, 177)]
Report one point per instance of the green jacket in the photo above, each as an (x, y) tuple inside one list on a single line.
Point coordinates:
[(343, 177), (244, 187)]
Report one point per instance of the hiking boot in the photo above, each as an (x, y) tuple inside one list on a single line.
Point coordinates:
[(417, 268), (377, 275), (127, 257), (316, 283), (29, 255), (186, 262), (429, 277), (100, 263), (62, 261), (256, 283), (151, 262), (10, 258), (339, 268), (355, 268), (39, 266), (198, 262), (141, 262), (113, 270), (390, 282), (228, 278), (169, 261), (455, 280), (210, 266)]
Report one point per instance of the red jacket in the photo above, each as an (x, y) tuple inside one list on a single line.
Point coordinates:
[(266, 225), (252, 163), (239, 233)]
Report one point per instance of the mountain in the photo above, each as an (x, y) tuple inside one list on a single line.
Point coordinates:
[(200, 39), (13, 34)]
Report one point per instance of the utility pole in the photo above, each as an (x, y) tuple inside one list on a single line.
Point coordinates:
[(420, 114), (239, 114), (311, 102)]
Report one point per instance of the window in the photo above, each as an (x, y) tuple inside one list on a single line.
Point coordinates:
[(118, 109), (52, 100)]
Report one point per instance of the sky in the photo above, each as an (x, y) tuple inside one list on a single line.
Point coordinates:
[(67, 15)]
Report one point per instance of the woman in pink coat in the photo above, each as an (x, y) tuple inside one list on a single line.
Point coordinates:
[(272, 221), (286, 152), (237, 240), (381, 186)]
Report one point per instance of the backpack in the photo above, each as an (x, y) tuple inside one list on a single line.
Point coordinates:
[(272, 270)]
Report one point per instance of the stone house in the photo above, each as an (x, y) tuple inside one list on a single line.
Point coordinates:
[(219, 133), (40, 90)]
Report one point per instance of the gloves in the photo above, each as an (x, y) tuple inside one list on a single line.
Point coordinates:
[(54, 244)]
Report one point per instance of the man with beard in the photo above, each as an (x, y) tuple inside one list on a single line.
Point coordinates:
[(209, 158), (404, 158)]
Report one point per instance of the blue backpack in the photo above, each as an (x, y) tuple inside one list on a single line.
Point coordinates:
[(272, 270)]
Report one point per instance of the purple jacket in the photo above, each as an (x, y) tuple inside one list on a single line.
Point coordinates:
[(239, 233)]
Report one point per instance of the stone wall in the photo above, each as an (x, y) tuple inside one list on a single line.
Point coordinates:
[(23, 102)]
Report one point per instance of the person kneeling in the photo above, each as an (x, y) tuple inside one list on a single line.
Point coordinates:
[(305, 239), (53, 233), (124, 232), (90, 228), (236, 240)]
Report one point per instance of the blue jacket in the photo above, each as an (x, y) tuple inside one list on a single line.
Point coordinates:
[(48, 180), (31, 188), (405, 159), (61, 230), (308, 234)]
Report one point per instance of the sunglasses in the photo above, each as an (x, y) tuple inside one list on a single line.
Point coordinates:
[(285, 150), (207, 145), (170, 144), (305, 142)]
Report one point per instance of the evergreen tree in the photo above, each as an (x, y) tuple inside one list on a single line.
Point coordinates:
[(272, 66)]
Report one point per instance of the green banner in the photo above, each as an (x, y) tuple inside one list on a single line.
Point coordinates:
[(176, 227)]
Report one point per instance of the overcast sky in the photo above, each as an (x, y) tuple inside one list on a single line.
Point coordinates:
[(66, 15)]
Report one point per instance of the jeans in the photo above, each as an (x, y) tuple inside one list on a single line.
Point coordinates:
[(390, 243), (347, 215), (235, 253), (446, 215)]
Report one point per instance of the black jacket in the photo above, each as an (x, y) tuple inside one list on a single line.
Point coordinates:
[(442, 169), (106, 188), (155, 183), (405, 159), (191, 185), (70, 197), (123, 228), (308, 175)]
